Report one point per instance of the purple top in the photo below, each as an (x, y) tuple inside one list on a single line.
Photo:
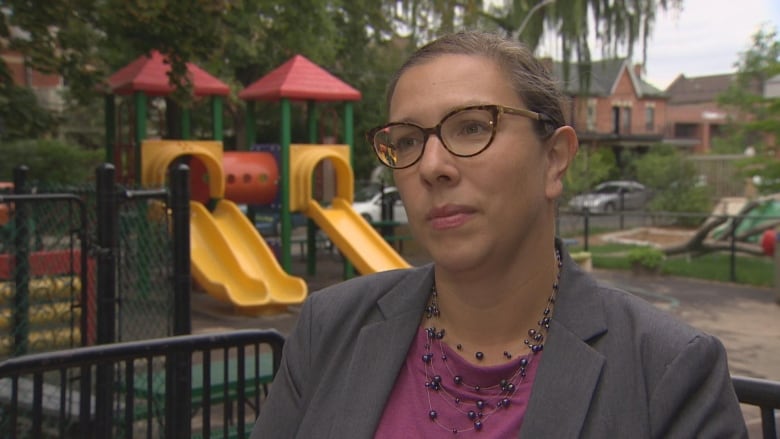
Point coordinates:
[(416, 409)]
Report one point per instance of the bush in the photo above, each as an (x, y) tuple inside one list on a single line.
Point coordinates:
[(674, 182), (647, 258), (49, 161)]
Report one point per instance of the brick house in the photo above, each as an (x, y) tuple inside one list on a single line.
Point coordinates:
[(694, 117), (617, 109), (47, 87)]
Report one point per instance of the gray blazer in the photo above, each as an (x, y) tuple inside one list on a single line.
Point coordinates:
[(614, 366)]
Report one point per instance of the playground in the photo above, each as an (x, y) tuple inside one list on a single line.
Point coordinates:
[(248, 271)]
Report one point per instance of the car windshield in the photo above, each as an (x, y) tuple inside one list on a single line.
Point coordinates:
[(607, 189), (367, 192)]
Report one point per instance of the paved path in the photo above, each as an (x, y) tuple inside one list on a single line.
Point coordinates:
[(746, 319)]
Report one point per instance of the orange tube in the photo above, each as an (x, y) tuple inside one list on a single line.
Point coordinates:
[(250, 177)]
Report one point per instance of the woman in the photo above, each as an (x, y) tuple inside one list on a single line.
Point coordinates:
[(502, 335)]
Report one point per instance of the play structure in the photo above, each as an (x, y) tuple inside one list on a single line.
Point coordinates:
[(230, 258)]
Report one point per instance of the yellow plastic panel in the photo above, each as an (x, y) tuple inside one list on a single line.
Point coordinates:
[(303, 161), (232, 262), (157, 156), (355, 237)]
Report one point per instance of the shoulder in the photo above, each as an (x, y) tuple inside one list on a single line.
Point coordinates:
[(621, 323), (362, 298), (366, 289)]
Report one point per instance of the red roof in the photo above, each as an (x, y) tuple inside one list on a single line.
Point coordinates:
[(299, 79), (150, 75)]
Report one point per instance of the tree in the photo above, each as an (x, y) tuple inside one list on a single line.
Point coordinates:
[(588, 169), (673, 181), (757, 120), (360, 41), (21, 117)]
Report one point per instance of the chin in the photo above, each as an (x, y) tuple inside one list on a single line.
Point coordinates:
[(456, 258)]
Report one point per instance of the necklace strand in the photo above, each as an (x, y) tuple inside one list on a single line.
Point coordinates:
[(497, 396)]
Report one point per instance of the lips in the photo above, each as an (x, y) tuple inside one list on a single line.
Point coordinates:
[(449, 216)]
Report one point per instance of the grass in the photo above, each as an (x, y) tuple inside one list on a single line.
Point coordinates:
[(748, 270)]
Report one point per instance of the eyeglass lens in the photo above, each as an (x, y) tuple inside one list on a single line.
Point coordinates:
[(463, 133)]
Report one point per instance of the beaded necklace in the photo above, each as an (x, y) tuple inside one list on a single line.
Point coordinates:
[(497, 396)]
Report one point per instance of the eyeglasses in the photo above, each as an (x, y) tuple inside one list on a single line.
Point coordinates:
[(464, 132)]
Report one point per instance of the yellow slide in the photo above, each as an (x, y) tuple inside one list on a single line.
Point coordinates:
[(355, 237), (232, 262)]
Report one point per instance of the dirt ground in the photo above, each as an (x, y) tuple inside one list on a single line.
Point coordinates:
[(657, 236)]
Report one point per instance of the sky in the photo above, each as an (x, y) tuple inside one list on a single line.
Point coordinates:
[(704, 38)]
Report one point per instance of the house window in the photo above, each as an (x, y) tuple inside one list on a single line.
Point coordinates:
[(650, 118), (591, 121), (625, 123), (615, 120)]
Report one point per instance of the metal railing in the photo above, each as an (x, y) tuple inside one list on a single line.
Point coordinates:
[(208, 385), (50, 395), (765, 395)]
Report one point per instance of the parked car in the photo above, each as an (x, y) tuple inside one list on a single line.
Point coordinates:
[(610, 196), (371, 209)]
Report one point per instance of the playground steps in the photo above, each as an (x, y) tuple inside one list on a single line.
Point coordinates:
[(52, 321), (52, 288), (42, 340)]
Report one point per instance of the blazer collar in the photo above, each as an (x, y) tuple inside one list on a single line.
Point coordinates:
[(569, 370), (380, 352)]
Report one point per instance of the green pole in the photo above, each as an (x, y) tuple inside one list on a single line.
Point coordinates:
[(250, 124), (186, 123), (349, 135), (349, 270), (311, 227), (110, 123), (140, 130), (216, 118), (286, 135)]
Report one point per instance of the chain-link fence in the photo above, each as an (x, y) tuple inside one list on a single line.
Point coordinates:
[(90, 265), (47, 234)]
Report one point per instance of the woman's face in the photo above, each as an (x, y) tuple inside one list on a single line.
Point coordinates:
[(469, 211)]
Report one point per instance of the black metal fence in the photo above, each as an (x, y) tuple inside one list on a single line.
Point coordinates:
[(80, 266), (214, 388), (765, 395), (727, 233)]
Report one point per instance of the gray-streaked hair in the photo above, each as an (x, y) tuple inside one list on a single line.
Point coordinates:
[(532, 82)]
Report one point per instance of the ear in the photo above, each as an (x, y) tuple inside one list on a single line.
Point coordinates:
[(561, 149)]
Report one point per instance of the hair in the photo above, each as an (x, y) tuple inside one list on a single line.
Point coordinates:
[(532, 82)]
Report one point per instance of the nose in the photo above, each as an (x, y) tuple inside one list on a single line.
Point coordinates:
[(437, 164)]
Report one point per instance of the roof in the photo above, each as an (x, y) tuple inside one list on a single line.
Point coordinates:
[(604, 75), (149, 74), (699, 89), (299, 79)]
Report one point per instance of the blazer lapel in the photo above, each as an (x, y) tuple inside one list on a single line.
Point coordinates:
[(563, 387), (569, 370), (380, 351)]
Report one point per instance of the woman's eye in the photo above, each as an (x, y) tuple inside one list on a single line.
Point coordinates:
[(406, 142), (473, 128)]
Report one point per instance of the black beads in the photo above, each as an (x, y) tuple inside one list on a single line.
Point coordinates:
[(493, 398)]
